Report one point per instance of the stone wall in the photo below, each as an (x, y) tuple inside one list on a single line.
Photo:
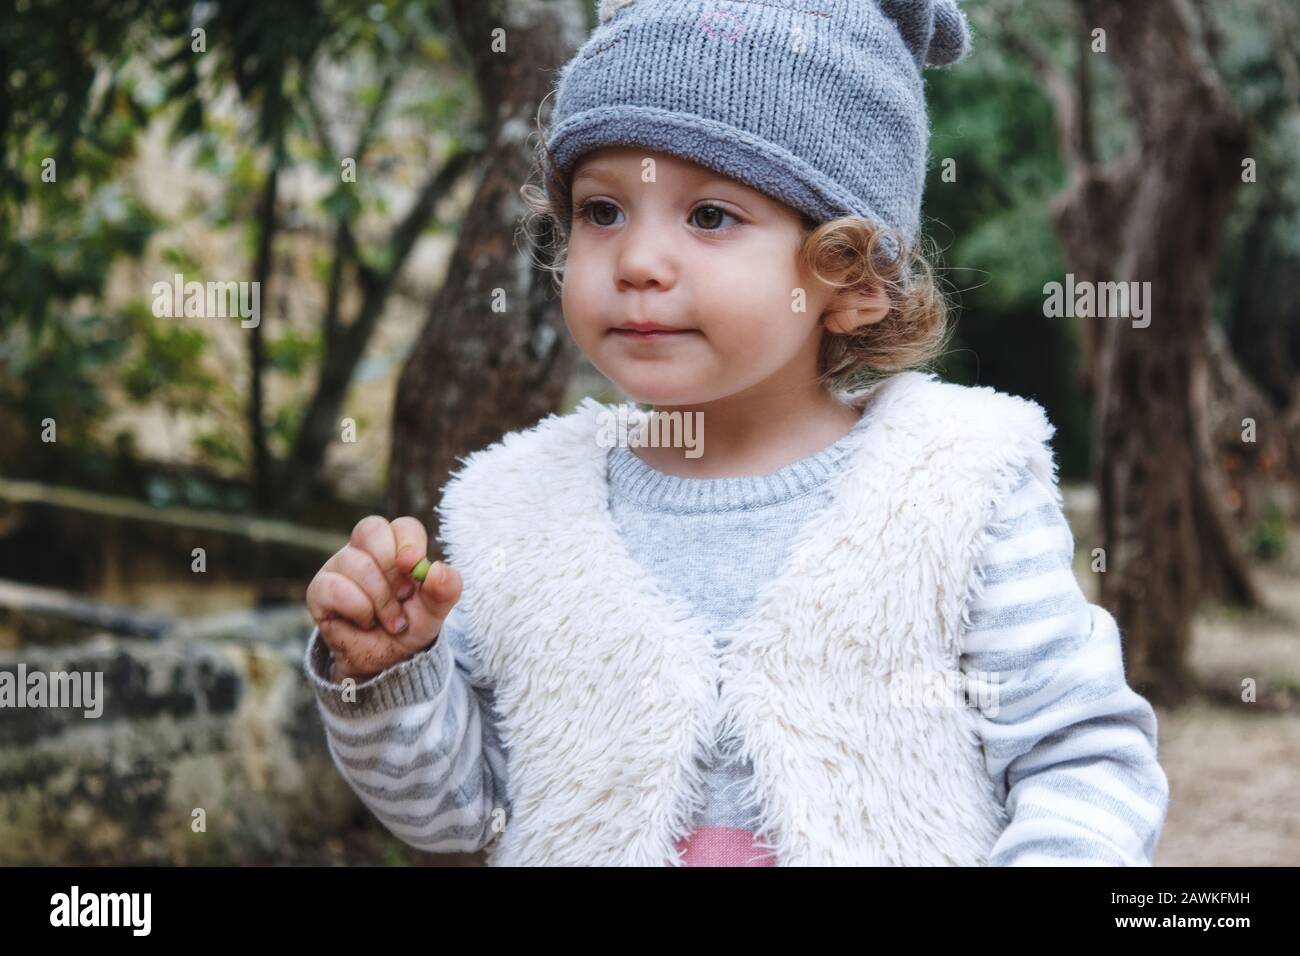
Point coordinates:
[(222, 722)]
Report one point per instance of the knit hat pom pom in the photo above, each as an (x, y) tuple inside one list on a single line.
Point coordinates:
[(951, 40), (934, 30)]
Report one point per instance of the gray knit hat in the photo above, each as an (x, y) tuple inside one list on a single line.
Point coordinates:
[(817, 103)]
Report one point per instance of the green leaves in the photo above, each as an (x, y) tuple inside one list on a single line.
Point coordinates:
[(167, 365), (291, 351)]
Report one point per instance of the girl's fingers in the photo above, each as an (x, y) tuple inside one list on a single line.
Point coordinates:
[(365, 584), (374, 535), (441, 589), (412, 542), (332, 594), (363, 571)]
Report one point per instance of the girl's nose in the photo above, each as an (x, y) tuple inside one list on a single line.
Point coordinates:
[(646, 258)]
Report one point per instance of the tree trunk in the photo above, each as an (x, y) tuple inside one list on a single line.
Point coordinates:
[(477, 373), (1166, 531)]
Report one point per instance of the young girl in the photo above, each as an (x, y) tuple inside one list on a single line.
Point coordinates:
[(843, 629)]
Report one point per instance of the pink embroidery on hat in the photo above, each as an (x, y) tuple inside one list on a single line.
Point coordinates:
[(706, 23)]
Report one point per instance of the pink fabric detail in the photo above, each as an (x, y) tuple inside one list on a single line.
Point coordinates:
[(724, 846)]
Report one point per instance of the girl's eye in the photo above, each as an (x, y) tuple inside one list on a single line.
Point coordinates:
[(594, 211), (589, 211), (711, 212)]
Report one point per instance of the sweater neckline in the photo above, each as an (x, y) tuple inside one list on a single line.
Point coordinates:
[(634, 481)]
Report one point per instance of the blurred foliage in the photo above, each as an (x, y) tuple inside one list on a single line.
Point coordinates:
[(83, 80), (167, 365), (1268, 538), (66, 128), (1255, 292)]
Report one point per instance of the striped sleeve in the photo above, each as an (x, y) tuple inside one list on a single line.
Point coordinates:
[(1070, 747), (420, 744)]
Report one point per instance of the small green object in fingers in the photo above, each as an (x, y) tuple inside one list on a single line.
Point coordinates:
[(421, 570)]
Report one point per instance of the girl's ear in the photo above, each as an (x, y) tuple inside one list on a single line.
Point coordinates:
[(851, 311)]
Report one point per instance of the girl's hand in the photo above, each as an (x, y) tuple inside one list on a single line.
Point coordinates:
[(370, 612)]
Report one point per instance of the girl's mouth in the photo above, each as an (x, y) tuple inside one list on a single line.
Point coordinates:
[(648, 334)]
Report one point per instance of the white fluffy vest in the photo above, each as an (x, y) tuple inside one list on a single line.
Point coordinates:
[(609, 688)]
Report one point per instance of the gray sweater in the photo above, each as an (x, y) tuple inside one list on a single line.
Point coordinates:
[(1071, 747)]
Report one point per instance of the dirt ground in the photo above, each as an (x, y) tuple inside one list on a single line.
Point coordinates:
[(1234, 767), (1234, 784)]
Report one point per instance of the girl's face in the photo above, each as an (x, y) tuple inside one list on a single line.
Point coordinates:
[(701, 254)]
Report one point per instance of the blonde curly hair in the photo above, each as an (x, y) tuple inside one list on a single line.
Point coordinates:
[(844, 253)]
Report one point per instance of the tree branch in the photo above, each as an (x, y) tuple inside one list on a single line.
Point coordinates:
[(1063, 93), (404, 235)]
